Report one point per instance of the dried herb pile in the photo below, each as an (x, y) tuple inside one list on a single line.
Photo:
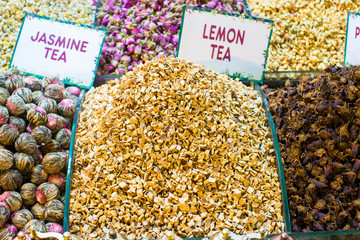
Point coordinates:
[(172, 146), (318, 126), (35, 122)]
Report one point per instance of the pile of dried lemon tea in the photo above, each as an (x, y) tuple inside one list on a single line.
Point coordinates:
[(172, 146)]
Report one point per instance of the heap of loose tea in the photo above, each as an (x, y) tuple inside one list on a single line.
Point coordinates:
[(34, 143), (174, 146), (318, 126)]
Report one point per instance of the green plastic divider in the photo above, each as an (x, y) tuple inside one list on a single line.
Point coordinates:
[(279, 165), (71, 162)]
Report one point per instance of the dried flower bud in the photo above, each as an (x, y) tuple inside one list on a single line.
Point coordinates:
[(4, 115), (15, 105), (38, 175), (36, 116), (24, 93), (8, 134), (18, 122), (23, 162), (38, 225), (41, 134), (4, 213), (48, 104), (55, 91)]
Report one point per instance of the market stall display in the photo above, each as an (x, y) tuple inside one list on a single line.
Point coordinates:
[(317, 123), (12, 13), (32, 163), (171, 145), (306, 35), (143, 30)]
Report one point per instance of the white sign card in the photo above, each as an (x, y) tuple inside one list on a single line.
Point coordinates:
[(352, 43), (233, 44), (49, 47)]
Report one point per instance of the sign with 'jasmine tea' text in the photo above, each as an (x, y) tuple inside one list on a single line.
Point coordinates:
[(233, 44), (352, 43), (49, 47)]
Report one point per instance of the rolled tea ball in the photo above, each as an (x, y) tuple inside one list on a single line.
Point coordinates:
[(6, 159), (54, 210), (14, 82), (4, 115), (25, 143), (23, 162), (46, 81), (10, 179), (28, 194), (53, 163), (67, 107), (4, 95), (65, 156), (54, 122), (41, 134), (37, 156), (21, 218), (46, 192), (55, 91), (38, 226), (8, 232), (38, 175), (73, 90), (64, 137), (38, 211), (24, 93), (59, 179), (36, 116), (36, 96), (8, 134), (18, 122), (52, 146), (54, 227), (4, 213), (48, 104), (15, 105), (12, 199), (32, 83)]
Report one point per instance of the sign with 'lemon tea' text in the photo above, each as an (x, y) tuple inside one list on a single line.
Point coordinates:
[(49, 47), (233, 44), (352, 43)]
